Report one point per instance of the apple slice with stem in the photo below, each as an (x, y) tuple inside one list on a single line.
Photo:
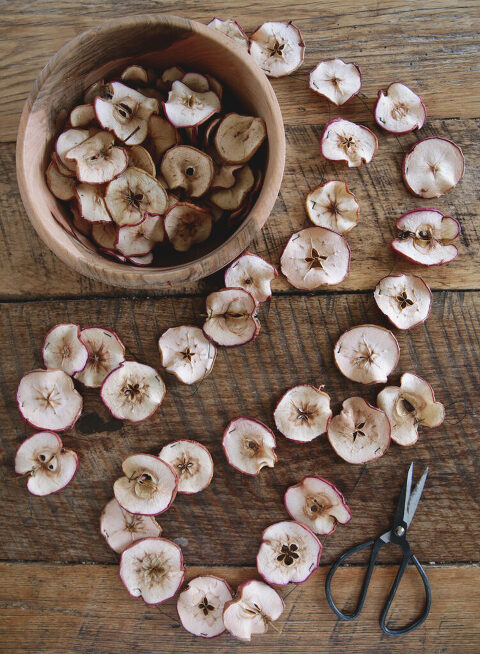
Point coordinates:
[(148, 487), (425, 237)]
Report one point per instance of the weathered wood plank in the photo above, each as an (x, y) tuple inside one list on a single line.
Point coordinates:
[(30, 270), (430, 45), (223, 524), (97, 616)]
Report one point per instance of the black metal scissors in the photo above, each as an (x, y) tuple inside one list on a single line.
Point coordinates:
[(406, 507)]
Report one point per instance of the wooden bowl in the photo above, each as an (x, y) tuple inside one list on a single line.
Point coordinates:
[(157, 40)]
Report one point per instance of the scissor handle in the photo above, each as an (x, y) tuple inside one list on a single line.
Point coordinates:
[(407, 557), (377, 544)]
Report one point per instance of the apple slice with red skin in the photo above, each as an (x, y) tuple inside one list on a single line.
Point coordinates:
[(237, 138), (432, 167), (82, 116), (49, 466), (187, 225), (187, 108), (192, 462), (367, 354), (91, 203), (232, 29), (196, 81), (289, 553), (200, 605), (139, 240), (303, 413), (318, 504), (121, 528), (334, 206), (65, 142), (360, 433), (186, 353), (105, 353), (252, 273), (186, 167), (62, 186), (152, 568), (343, 140), (404, 299), (409, 406), (141, 261), (336, 80), (278, 48), (314, 257), (399, 110), (231, 319), (249, 445), (63, 349), (256, 606), (132, 194), (425, 237)]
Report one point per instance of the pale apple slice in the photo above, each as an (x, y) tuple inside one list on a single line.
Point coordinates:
[(231, 317), (162, 136), (186, 167), (139, 240), (121, 528), (104, 234), (232, 29), (214, 85), (278, 48), (192, 463), (82, 116), (432, 167), (132, 194), (200, 605), (253, 274), (91, 203), (187, 225), (343, 140), (61, 186), (303, 413), (186, 353), (148, 487), (334, 206), (141, 260), (234, 197), (139, 157), (399, 110), (196, 81), (65, 142), (336, 80), (238, 137), (97, 159), (135, 74), (404, 299), (171, 75), (187, 108), (105, 353), (257, 605), (64, 349), (249, 445)]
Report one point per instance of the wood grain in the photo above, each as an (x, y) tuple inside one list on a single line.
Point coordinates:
[(32, 271), (430, 45), (97, 616), (223, 524)]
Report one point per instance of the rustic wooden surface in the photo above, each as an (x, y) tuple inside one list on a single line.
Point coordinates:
[(49, 602)]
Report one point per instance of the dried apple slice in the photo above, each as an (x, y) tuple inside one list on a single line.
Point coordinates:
[(231, 318), (425, 237), (47, 399), (210, 130), (172, 74), (61, 186), (162, 136), (234, 197), (256, 607), (186, 225), (334, 206), (289, 553), (214, 85), (278, 48), (63, 349), (336, 80), (404, 299), (104, 234), (186, 353), (126, 113), (316, 503), (152, 568), (105, 353), (65, 142), (314, 257), (139, 240), (200, 605), (360, 433), (139, 157), (97, 159), (80, 224), (143, 260), (224, 176), (82, 116), (432, 167), (196, 81), (96, 90), (409, 406), (399, 110), (232, 29), (253, 274), (121, 528), (303, 413), (132, 194), (192, 463), (63, 170), (91, 203), (49, 466), (238, 137), (135, 74), (343, 140), (183, 166), (148, 487), (249, 445), (187, 108), (367, 354)]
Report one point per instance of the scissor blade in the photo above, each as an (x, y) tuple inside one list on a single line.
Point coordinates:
[(401, 511), (415, 497)]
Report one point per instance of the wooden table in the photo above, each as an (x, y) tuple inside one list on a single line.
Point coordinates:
[(60, 591)]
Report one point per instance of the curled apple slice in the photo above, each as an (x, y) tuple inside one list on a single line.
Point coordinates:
[(253, 274), (49, 466), (432, 167), (139, 157), (200, 605), (367, 354), (232, 29), (148, 487), (162, 136), (104, 234), (399, 110), (187, 108), (134, 74), (121, 528), (133, 391), (316, 503), (141, 260), (171, 75), (289, 553), (233, 198), (336, 80), (257, 605), (139, 240), (186, 225), (404, 299), (186, 353), (66, 142), (105, 353), (303, 413), (152, 568), (343, 140), (132, 194), (196, 81), (184, 166), (314, 257), (63, 349), (249, 445), (409, 406), (91, 203), (61, 186), (278, 48), (231, 318), (237, 137), (425, 237), (192, 463), (47, 399), (334, 206), (82, 116), (360, 433)]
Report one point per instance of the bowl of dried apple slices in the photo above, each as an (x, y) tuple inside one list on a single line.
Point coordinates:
[(150, 151)]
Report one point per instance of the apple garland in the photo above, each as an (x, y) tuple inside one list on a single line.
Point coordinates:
[(151, 566)]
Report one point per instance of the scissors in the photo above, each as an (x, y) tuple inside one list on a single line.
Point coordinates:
[(406, 507)]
